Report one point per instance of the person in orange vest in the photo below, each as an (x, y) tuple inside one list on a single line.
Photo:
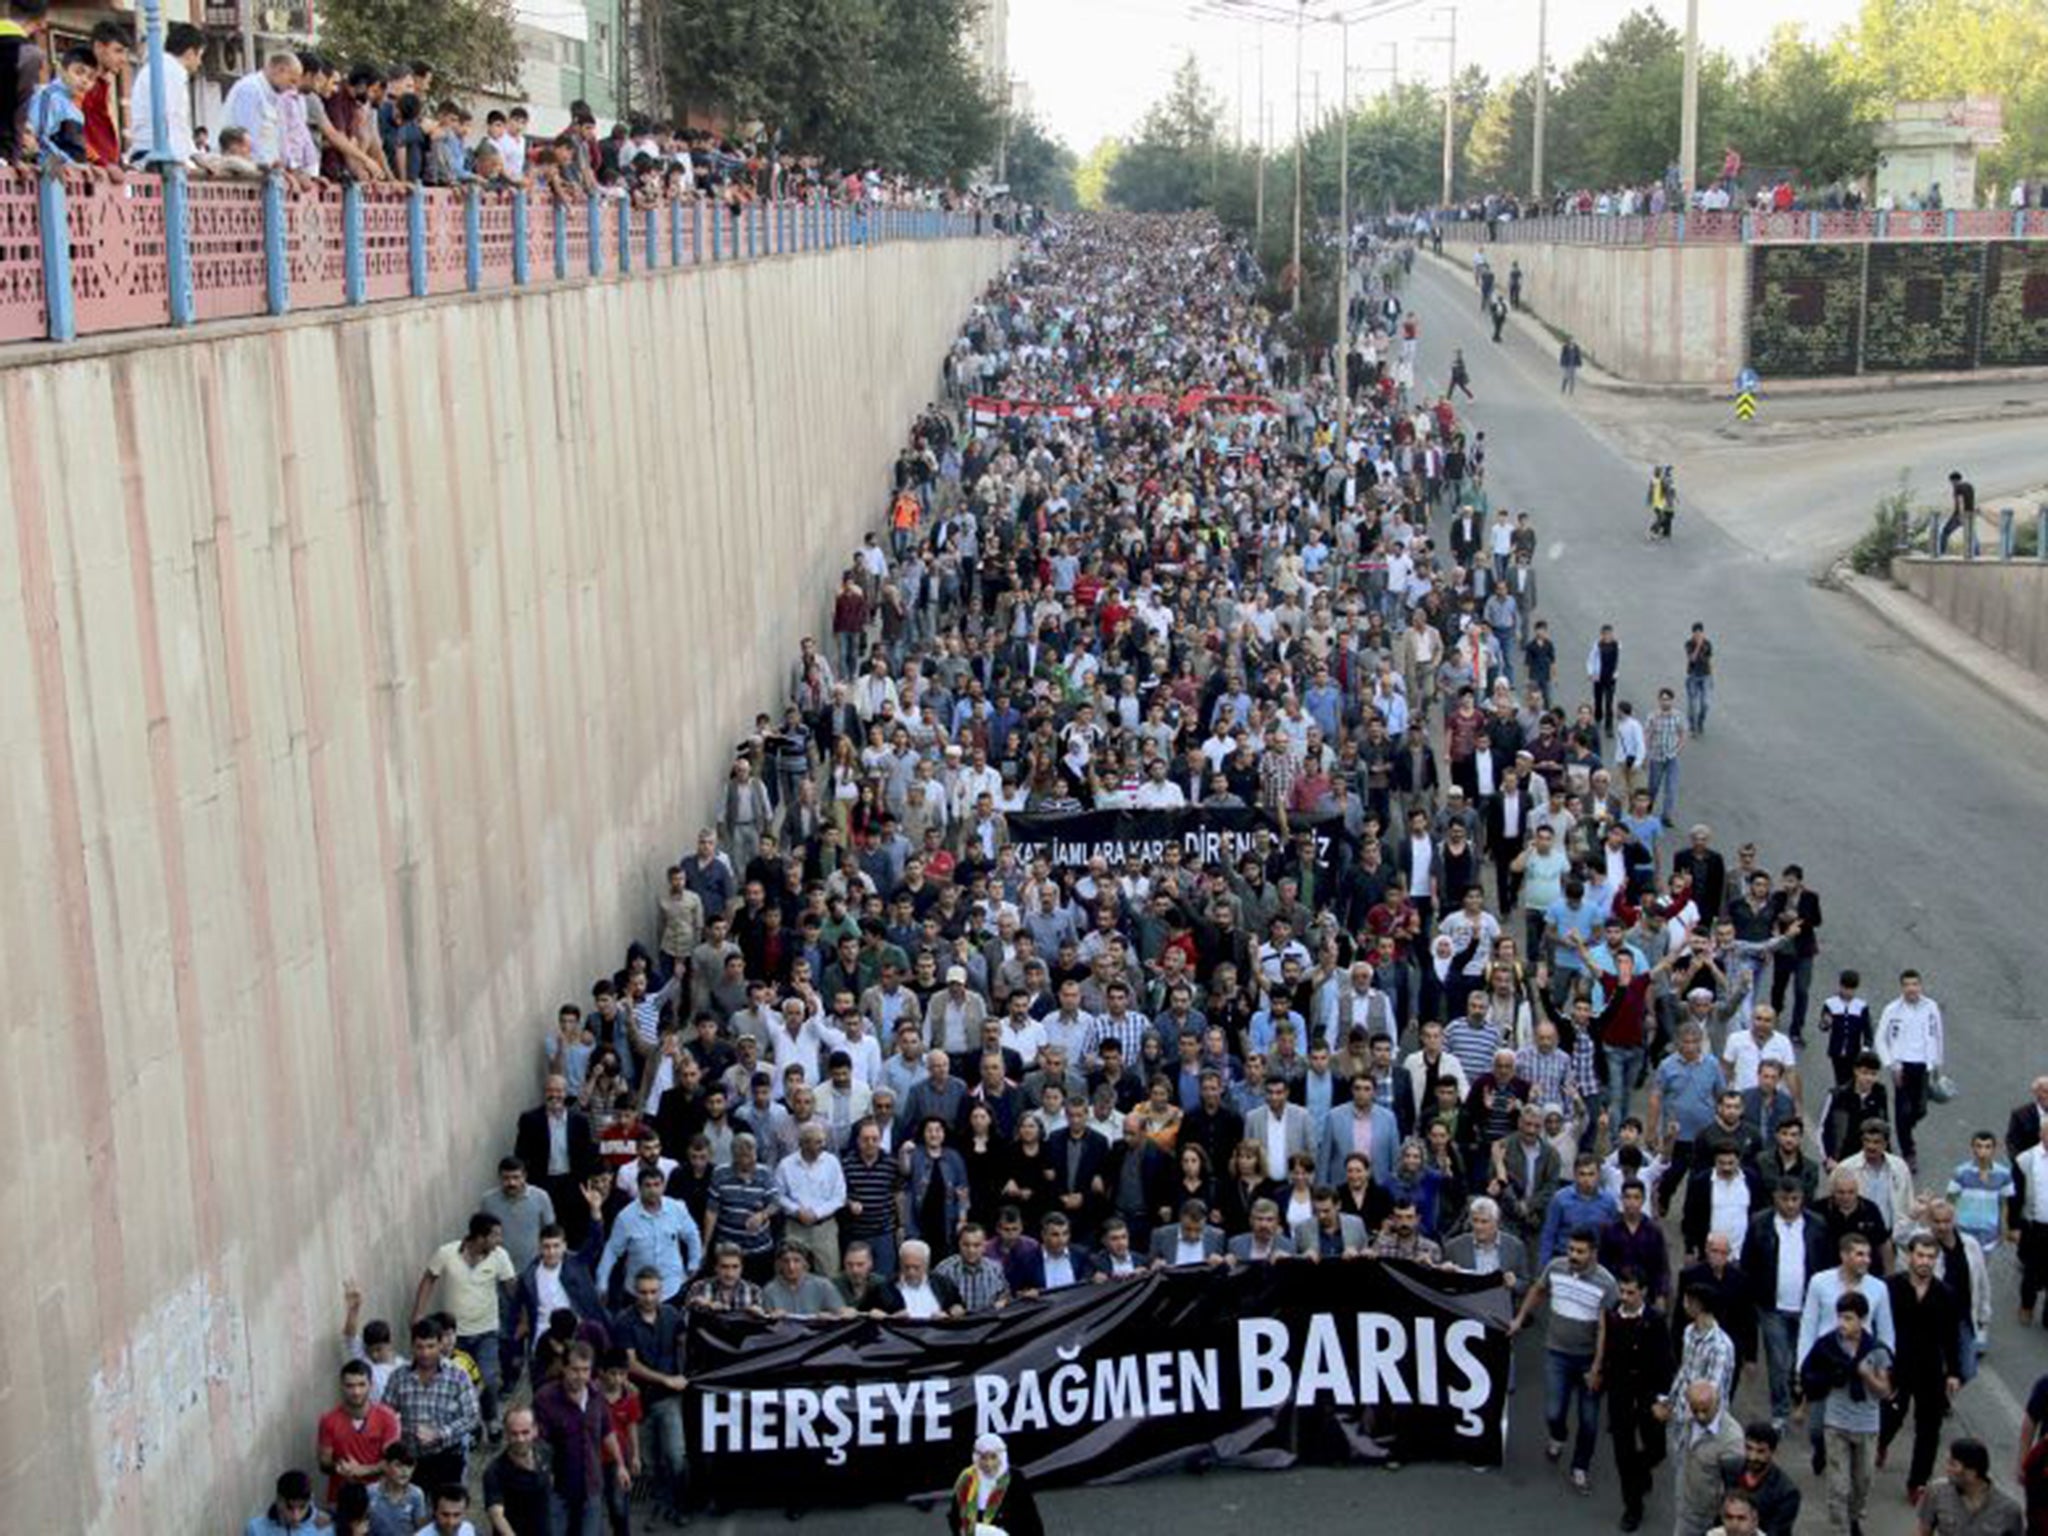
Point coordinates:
[(903, 515)]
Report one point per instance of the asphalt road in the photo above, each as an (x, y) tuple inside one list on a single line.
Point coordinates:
[(1916, 805)]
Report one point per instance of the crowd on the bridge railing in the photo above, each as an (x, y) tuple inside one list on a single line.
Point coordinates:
[(304, 117), (1469, 997)]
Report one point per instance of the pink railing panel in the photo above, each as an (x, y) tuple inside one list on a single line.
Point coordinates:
[(387, 244), (445, 260), (578, 214), (494, 238), (227, 249), (118, 278), (314, 252), (1984, 223), (540, 240), (21, 263), (1911, 224)]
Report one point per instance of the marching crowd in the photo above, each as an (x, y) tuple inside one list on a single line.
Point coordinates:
[(1471, 995)]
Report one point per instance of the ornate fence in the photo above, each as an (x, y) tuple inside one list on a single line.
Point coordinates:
[(252, 248), (1730, 227)]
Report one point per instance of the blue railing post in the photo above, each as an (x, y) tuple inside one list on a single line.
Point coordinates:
[(416, 241), (622, 228), (354, 272), (753, 211), (2006, 533), (1948, 223), (277, 278), (1936, 544), (651, 234), (1884, 221), (561, 241), (61, 312), (594, 210), (2041, 532), (177, 211), (1813, 225), (675, 232), (472, 239), (522, 264)]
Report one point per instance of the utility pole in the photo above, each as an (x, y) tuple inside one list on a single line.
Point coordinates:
[(1451, 103), (1450, 41), (1542, 96), (1689, 113), (1294, 286), (1337, 356)]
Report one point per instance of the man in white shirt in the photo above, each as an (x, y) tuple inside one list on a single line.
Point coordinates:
[(1747, 1049), (256, 105), (1910, 1043), (184, 48), (811, 1189)]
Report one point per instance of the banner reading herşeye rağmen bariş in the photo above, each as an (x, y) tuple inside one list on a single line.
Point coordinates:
[(1263, 1366), (1206, 835)]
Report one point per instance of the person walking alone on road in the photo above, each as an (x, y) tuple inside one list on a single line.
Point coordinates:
[(1664, 738), (1699, 679), (1515, 284), (1461, 377), (1603, 671), (1498, 309), (1569, 360)]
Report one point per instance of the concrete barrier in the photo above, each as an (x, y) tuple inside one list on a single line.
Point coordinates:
[(2002, 603), (1665, 314), (359, 675)]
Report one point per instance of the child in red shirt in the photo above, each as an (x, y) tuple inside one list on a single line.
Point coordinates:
[(627, 1411)]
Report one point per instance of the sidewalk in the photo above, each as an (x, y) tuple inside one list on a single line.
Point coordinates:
[(2013, 685)]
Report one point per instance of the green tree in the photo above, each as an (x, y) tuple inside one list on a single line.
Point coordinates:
[(1802, 111), (883, 82), (1940, 50), (470, 43), (1091, 176), (1040, 168), (1500, 147), (1172, 162)]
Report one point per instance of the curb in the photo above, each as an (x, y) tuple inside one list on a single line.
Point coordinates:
[(1962, 653)]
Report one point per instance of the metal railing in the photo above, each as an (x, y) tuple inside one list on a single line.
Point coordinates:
[(81, 257), (1943, 527), (1735, 228)]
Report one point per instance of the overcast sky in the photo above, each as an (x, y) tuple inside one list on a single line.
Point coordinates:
[(1093, 66)]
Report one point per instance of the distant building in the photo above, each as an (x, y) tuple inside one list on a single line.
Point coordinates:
[(1935, 144), (988, 44)]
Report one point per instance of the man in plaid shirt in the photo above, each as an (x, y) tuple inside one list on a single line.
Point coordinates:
[(1664, 738), (1706, 1353), (436, 1407)]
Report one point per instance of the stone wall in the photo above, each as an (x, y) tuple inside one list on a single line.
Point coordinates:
[(360, 673), (2002, 603)]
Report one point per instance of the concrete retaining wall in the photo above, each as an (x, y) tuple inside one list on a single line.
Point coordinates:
[(1658, 314), (358, 676), (2004, 604)]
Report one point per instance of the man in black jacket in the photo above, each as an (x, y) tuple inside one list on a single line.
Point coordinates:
[(1787, 1246), (1635, 1370), (1756, 1475), (557, 1143), (1927, 1367), (1795, 910)]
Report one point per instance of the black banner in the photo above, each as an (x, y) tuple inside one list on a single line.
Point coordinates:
[(1207, 835), (1263, 1366)]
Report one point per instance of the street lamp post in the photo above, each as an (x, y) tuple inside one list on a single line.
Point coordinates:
[(1337, 357), (1542, 97), (1294, 279), (1689, 113)]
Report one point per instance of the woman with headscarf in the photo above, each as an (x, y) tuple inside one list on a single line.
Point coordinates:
[(993, 1493)]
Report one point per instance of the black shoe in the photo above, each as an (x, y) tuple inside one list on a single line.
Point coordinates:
[(1631, 1519), (1820, 1459)]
